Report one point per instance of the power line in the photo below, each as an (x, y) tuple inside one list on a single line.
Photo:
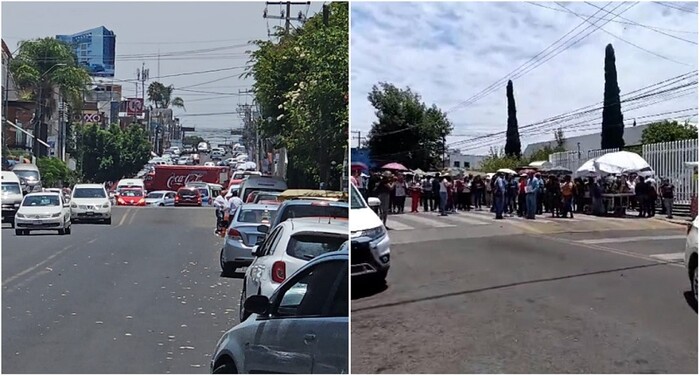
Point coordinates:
[(630, 43), (668, 5)]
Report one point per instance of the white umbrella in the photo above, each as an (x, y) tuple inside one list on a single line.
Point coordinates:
[(507, 171), (621, 162), (587, 168)]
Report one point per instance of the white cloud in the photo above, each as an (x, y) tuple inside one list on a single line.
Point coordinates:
[(448, 52)]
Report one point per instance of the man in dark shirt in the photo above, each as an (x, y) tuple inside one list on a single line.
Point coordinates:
[(436, 192), (667, 191)]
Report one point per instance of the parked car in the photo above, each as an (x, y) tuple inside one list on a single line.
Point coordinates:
[(187, 196), (309, 208), (90, 202), (131, 197), (301, 328), (243, 235), (11, 196), (29, 175), (203, 147), (210, 164), (266, 196), (289, 247), (161, 198), (261, 183), (373, 260), (184, 160), (691, 256), (43, 211)]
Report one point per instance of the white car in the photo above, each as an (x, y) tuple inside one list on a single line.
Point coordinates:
[(210, 164), (371, 261), (202, 147), (691, 256), (288, 247), (231, 189), (43, 211), (183, 161), (90, 202), (161, 198), (301, 329)]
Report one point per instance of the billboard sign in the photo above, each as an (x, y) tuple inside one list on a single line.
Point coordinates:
[(134, 106)]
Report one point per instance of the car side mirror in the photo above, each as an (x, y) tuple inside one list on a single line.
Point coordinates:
[(263, 228), (373, 201), (66, 205), (258, 304)]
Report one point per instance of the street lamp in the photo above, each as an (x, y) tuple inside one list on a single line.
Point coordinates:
[(37, 125)]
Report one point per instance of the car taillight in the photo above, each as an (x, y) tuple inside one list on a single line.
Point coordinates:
[(177, 198), (141, 201), (233, 233), (279, 271), (121, 201)]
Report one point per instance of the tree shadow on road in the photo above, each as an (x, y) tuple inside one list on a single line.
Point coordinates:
[(690, 299), (364, 287)]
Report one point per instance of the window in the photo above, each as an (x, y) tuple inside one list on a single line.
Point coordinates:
[(309, 295), (314, 210), (307, 246), (255, 215), (339, 306), (467, 165), (89, 193), (273, 242), (8, 188), (44, 200), (456, 164)]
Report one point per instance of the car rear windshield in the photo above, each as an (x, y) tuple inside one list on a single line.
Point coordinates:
[(10, 188), (256, 215), (41, 201), (132, 193), (305, 211), (308, 246), (187, 191), (155, 195), (89, 193)]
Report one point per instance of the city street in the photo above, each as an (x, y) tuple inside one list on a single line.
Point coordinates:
[(529, 297), (143, 295)]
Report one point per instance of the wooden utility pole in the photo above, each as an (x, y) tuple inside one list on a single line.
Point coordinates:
[(359, 138), (286, 15)]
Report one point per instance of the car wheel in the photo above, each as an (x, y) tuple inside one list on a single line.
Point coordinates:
[(62, 231), (19, 232), (242, 314), (161, 204), (695, 283), (12, 223), (227, 268), (68, 230), (380, 277)]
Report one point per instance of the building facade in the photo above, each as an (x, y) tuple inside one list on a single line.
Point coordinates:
[(95, 49), (468, 161)]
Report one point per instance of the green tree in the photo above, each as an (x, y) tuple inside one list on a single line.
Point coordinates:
[(613, 127), (512, 136), (666, 131), (406, 130), (301, 86), (497, 160), (54, 172), (162, 96), (192, 140), (41, 66)]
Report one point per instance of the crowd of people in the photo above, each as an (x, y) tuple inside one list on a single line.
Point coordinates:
[(527, 195)]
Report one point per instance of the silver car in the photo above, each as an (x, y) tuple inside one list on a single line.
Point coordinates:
[(242, 235), (302, 328), (161, 198)]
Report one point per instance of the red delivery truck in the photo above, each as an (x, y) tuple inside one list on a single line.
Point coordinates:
[(172, 178)]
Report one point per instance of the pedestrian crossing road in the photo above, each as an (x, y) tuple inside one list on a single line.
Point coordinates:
[(473, 221)]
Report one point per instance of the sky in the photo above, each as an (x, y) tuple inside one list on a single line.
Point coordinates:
[(145, 28), (448, 52)]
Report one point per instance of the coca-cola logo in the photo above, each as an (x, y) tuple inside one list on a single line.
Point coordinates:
[(180, 180)]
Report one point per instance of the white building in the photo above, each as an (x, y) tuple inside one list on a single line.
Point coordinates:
[(455, 158)]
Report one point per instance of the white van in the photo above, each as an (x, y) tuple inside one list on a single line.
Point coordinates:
[(11, 196), (130, 183), (30, 175)]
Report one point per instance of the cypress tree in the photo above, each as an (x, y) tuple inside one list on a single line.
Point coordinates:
[(512, 136), (613, 128)]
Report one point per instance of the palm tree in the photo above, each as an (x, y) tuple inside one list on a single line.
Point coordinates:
[(42, 65), (161, 96)]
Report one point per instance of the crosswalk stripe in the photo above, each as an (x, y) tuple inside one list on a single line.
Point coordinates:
[(465, 219), (492, 216), (425, 221), (670, 256), (630, 239), (396, 225)]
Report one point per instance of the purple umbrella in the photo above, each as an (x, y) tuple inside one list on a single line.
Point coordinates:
[(395, 166)]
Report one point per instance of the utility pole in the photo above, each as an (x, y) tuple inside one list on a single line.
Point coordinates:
[(142, 75), (444, 155), (359, 138), (286, 15)]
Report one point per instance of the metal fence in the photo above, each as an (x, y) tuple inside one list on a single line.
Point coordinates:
[(668, 161), (666, 158)]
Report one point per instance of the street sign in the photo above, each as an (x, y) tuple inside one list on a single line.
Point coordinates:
[(134, 106)]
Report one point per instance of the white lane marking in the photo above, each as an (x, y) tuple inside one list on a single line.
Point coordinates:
[(630, 239), (466, 219), (92, 241), (425, 221), (30, 269), (680, 256), (126, 214), (492, 216), (132, 217), (392, 224)]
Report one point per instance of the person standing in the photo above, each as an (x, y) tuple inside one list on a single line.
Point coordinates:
[(667, 191), (384, 193), (531, 188), (489, 193), (652, 192), (459, 188), (427, 193), (640, 191), (233, 204), (415, 196), (442, 189), (522, 205), (567, 192), (539, 194), (354, 178), (400, 194), (468, 192), (478, 187), (220, 205), (436, 192), (499, 190)]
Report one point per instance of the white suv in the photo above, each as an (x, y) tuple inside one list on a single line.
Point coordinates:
[(290, 245), (370, 240), (90, 202), (691, 256)]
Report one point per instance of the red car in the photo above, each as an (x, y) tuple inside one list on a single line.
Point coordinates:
[(188, 196), (131, 197)]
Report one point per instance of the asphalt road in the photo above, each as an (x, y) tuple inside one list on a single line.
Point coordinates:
[(143, 295), (519, 302)]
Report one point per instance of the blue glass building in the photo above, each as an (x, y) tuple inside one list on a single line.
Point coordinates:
[(95, 49)]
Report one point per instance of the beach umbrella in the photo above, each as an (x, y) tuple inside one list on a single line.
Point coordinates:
[(395, 166), (622, 162), (507, 171)]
